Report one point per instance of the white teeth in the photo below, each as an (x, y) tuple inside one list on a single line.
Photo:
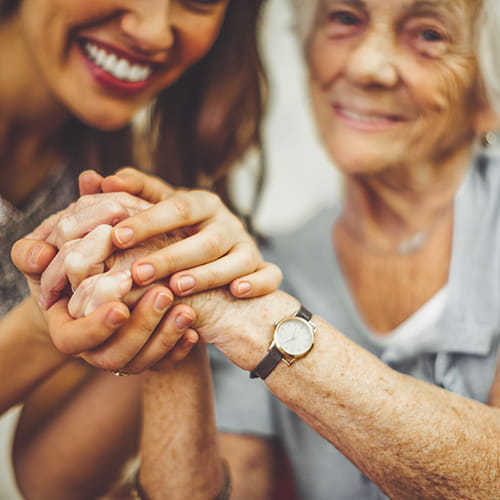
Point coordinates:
[(364, 118), (119, 67), (110, 64), (122, 69)]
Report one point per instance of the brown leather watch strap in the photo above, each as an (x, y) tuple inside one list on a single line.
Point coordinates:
[(268, 364)]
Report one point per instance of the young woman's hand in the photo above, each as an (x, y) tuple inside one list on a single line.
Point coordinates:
[(153, 334), (216, 252)]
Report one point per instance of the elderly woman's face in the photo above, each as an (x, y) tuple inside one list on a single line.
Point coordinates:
[(104, 59), (393, 81)]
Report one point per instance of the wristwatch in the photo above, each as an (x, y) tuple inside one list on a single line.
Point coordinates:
[(293, 339)]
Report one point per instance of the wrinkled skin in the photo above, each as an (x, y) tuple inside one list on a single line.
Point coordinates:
[(114, 281)]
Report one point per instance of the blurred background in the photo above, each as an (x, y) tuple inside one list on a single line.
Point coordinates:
[(300, 178)]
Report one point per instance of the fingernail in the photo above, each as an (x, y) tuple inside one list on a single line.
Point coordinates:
[(186, 283), (244, 287), (116, 317), (145, 272), (183, 321), (162, 301), (35, 254), (124, 235)]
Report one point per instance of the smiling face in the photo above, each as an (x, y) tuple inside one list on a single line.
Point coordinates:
[(394, 82), (104, 59)]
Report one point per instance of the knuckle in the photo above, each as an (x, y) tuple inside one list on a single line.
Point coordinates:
[(126, 171), (210, 279), (64, 229), (182, 207), (214, 246), (248, 255), (275, 271), (213, 199)]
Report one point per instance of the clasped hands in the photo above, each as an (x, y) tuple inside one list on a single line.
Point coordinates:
[(106, 270)]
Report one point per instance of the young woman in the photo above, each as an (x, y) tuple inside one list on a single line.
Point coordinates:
[(74, 76)]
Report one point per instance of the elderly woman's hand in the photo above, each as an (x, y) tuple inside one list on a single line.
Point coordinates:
[(218, 250)]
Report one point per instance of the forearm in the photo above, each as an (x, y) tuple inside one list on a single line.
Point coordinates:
[(27, 355), (179, 449), (411, 438), (78, 449)]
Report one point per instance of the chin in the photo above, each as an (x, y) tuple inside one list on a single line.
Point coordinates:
[(104, 121), (366, 163)]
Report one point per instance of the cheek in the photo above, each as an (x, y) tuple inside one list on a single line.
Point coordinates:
[(324, 60), (447, 90)]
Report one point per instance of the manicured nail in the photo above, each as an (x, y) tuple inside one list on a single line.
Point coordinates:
[(162, 301), (124, 235), (186, 283), (244, 287), (116, 318), (145, 272), (183, 321)]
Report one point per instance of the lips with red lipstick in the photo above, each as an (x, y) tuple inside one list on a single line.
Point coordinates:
[(116, 70)]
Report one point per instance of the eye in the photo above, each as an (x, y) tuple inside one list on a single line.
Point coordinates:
[(343, 23), (203, 5), (427, 37), (432, 35), (345, 18)]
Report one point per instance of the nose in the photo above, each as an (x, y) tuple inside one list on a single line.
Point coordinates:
[(148, 25), (373, 62)]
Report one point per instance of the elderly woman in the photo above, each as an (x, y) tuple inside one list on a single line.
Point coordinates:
[(401, 404)]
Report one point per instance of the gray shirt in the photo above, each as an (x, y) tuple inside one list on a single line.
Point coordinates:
[(460, 354), (15, 222)]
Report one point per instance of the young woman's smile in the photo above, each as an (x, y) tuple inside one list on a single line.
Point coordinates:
[(105, 59), (116, 70)]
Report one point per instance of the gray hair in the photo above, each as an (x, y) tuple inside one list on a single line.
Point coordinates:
[(305, 11), (489, 50)]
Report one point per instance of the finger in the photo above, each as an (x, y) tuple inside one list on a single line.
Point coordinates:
[(138, 183), (168, 340), (180, 210), (86, 257), (74, 336), (43, 231), (98, 290), (179, 352), (194, 251), (120, 349), (32, 257), (242, 260), (54, 280), (263, 281), (89, 182), (91, 211), (75, 261)]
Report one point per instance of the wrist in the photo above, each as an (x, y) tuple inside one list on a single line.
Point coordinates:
[(242, 329)]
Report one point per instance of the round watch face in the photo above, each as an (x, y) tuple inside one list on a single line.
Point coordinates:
[(294, 336)]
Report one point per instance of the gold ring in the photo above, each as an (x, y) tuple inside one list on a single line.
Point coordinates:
[(119, 373)]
